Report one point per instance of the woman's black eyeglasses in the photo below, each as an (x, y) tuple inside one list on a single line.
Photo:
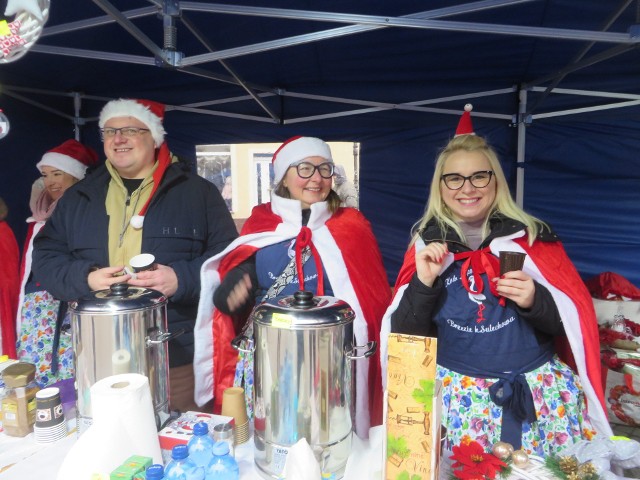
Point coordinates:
[(306, 169), (455, 181)]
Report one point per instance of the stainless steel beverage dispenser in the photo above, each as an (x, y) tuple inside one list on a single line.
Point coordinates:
[(303, 382), (121, 330)]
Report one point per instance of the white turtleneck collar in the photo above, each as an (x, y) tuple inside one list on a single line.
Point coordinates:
[(291, 212)]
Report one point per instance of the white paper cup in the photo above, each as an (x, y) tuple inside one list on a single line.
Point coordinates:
[(142, 262)]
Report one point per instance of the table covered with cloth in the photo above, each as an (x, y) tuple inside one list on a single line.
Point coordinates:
[(21, 458)]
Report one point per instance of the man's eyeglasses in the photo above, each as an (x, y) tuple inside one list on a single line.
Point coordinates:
[(124, 131), (306, 169), (455, 181)]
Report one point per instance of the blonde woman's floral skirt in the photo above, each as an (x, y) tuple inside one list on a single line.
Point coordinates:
[(558, 399)]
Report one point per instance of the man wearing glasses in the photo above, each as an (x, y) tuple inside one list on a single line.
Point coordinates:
[(139, 201)]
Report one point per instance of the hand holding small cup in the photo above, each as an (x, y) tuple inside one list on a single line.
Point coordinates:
[(518, 286)]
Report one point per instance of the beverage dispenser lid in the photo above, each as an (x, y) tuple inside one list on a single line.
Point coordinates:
[(120, 297), (303, 309)]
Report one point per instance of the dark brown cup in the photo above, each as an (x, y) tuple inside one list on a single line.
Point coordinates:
[(510, 261)]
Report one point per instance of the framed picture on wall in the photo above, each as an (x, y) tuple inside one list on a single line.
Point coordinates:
[(214, 164)]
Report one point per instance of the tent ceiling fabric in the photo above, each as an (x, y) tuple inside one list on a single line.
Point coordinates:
[(348, 59), (393, 75)]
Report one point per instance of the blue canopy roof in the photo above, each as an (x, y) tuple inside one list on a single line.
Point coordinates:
[(554, 85)]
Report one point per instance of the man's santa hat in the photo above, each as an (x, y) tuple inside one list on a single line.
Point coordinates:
[(296, 149), (464, 125), (71, 157), (151, 114), (148, 112)]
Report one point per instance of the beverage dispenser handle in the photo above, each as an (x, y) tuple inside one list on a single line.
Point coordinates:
[(164, 337), (371, 349), (238, 342)]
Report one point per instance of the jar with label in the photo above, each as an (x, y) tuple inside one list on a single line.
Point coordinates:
[(5, 361), (19, 400)]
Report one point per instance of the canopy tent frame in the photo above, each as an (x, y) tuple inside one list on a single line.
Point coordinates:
[(169, 56), (172, 10)]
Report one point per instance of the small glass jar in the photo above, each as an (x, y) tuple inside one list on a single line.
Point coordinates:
[(19, 400), (223, 432), (4, 363)]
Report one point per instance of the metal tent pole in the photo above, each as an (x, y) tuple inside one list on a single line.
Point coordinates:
[(77, 120), (522, 109)]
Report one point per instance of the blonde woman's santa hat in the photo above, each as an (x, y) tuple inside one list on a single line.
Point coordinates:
[(465, 126), (71, 157), (296, 149), (147, 111)]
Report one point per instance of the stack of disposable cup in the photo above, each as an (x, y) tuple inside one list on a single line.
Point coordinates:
[(233, 405), (50, 424)]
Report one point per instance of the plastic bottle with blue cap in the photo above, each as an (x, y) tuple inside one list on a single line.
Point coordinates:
[(155, 472), (181, 467), (222, 466), (200, 445)]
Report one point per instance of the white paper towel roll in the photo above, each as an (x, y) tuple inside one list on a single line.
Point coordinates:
[(123, 425)]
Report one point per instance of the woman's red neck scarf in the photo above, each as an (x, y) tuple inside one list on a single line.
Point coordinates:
[(303, 240), (481, 261)]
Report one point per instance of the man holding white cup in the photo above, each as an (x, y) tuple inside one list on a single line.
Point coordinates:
[(140, 201)]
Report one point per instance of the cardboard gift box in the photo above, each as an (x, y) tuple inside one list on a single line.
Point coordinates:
[(412, 409), (622, 394), (618, 323), (180, 430), (619, 327)]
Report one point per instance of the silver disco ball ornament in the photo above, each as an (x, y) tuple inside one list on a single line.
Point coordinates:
[(4, 125)]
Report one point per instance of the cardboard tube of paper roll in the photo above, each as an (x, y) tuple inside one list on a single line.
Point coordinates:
[(120, 362)]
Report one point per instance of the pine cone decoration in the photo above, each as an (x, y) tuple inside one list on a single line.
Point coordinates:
[(586, 470), (568, 465)]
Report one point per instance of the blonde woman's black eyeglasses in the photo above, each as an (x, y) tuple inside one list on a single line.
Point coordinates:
[(455, 181)]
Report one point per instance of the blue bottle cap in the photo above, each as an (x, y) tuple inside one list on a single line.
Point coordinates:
[(220, 448), (200, 428), (179, 452), (155, 472)]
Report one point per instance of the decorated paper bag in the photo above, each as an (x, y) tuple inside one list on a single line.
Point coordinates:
[(412, 407)]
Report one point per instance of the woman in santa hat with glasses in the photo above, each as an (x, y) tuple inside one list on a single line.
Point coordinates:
[(302, 239), (40, 315), (505, 341)]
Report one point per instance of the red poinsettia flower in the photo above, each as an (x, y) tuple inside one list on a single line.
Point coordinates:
[(474, 463)]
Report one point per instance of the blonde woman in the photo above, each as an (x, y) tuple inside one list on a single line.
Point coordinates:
[(502, 376)]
